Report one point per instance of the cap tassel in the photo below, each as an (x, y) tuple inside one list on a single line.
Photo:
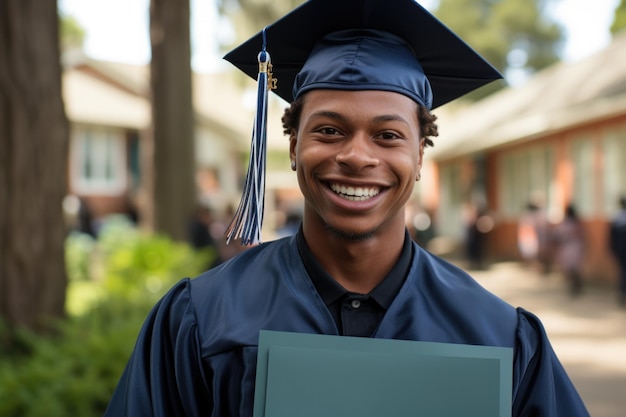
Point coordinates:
[(248, 219)]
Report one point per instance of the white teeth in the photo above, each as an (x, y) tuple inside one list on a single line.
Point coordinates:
[(354, 193)]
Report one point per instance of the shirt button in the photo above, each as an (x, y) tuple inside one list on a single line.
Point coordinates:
[(355, 303)]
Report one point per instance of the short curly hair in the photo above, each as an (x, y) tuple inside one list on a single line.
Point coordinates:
[(428, 127)]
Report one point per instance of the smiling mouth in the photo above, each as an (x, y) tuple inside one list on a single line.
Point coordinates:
[(355, 193)]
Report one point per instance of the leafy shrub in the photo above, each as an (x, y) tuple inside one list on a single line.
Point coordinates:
[(79, 248), (74, 371)]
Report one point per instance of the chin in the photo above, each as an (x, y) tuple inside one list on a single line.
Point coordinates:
[(350, 235)]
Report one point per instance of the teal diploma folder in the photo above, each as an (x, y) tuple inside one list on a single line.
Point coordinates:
[(307, 375)]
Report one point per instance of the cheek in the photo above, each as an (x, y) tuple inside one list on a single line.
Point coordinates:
[(408, 162), (310, 155), (309, 160)]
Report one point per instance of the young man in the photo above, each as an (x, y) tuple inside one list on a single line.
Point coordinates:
[(365, 74)]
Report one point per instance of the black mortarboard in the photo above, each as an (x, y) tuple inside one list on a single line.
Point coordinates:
[(391, 45)]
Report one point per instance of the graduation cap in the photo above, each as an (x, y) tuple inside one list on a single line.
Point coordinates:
[(390, 45)]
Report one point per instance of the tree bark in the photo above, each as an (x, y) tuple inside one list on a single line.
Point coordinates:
[(33, 162), (173, 188)]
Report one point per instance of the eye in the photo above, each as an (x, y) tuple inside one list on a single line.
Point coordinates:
[(389, 135), (330, 131), (327, 133)]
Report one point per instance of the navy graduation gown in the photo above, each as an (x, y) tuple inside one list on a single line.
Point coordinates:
[(196, 352)]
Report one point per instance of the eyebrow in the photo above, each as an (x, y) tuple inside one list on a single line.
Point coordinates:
[(390, 118), (377, 119), (329, 114)]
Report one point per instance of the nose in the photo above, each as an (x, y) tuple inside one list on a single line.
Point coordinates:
[(357, 152)]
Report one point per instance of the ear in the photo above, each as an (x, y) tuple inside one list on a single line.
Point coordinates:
[(422, 146), (293, 143)]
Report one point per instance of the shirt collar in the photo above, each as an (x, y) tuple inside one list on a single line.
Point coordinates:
[(330, 290)]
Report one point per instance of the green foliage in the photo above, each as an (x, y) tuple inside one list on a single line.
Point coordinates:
[(250, 16), (495, 28), (619, 18), (72, 35), (73, 372), (137, 266), (79, 248)]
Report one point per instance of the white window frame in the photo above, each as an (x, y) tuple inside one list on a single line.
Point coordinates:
[(102, 151), (522, 173), (614, 168), (583, 192), (450, 206)]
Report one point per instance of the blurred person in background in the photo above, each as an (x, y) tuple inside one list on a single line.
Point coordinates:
[(85, 219), (569, 242), (617, 245), (533, 237), (199, 231), (478, 224)]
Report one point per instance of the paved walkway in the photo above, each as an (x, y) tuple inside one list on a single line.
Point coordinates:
[(588, 332)]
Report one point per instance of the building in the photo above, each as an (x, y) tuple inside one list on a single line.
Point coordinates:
[(561, 135), (109, 110)]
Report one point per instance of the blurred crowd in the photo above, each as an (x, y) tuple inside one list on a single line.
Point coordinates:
[(544, 246)]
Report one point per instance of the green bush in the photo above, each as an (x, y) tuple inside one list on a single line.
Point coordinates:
[(74, 371)]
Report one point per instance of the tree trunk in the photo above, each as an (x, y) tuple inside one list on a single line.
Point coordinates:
[(173, 118), (33, 157)]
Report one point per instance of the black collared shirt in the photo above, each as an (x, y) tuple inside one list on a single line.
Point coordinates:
[(356, 314)]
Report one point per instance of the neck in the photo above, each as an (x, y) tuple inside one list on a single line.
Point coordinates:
[(357, 262)]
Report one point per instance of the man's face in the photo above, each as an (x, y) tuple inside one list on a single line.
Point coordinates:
[(358, 154)]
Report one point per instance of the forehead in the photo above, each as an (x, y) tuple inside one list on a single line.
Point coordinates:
[(360, 103)]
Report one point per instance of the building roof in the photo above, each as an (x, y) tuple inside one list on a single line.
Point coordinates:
[(562, 96), (117, 94), (92, 100)]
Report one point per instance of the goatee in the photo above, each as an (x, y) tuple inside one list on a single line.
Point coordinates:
[(349, 236)]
